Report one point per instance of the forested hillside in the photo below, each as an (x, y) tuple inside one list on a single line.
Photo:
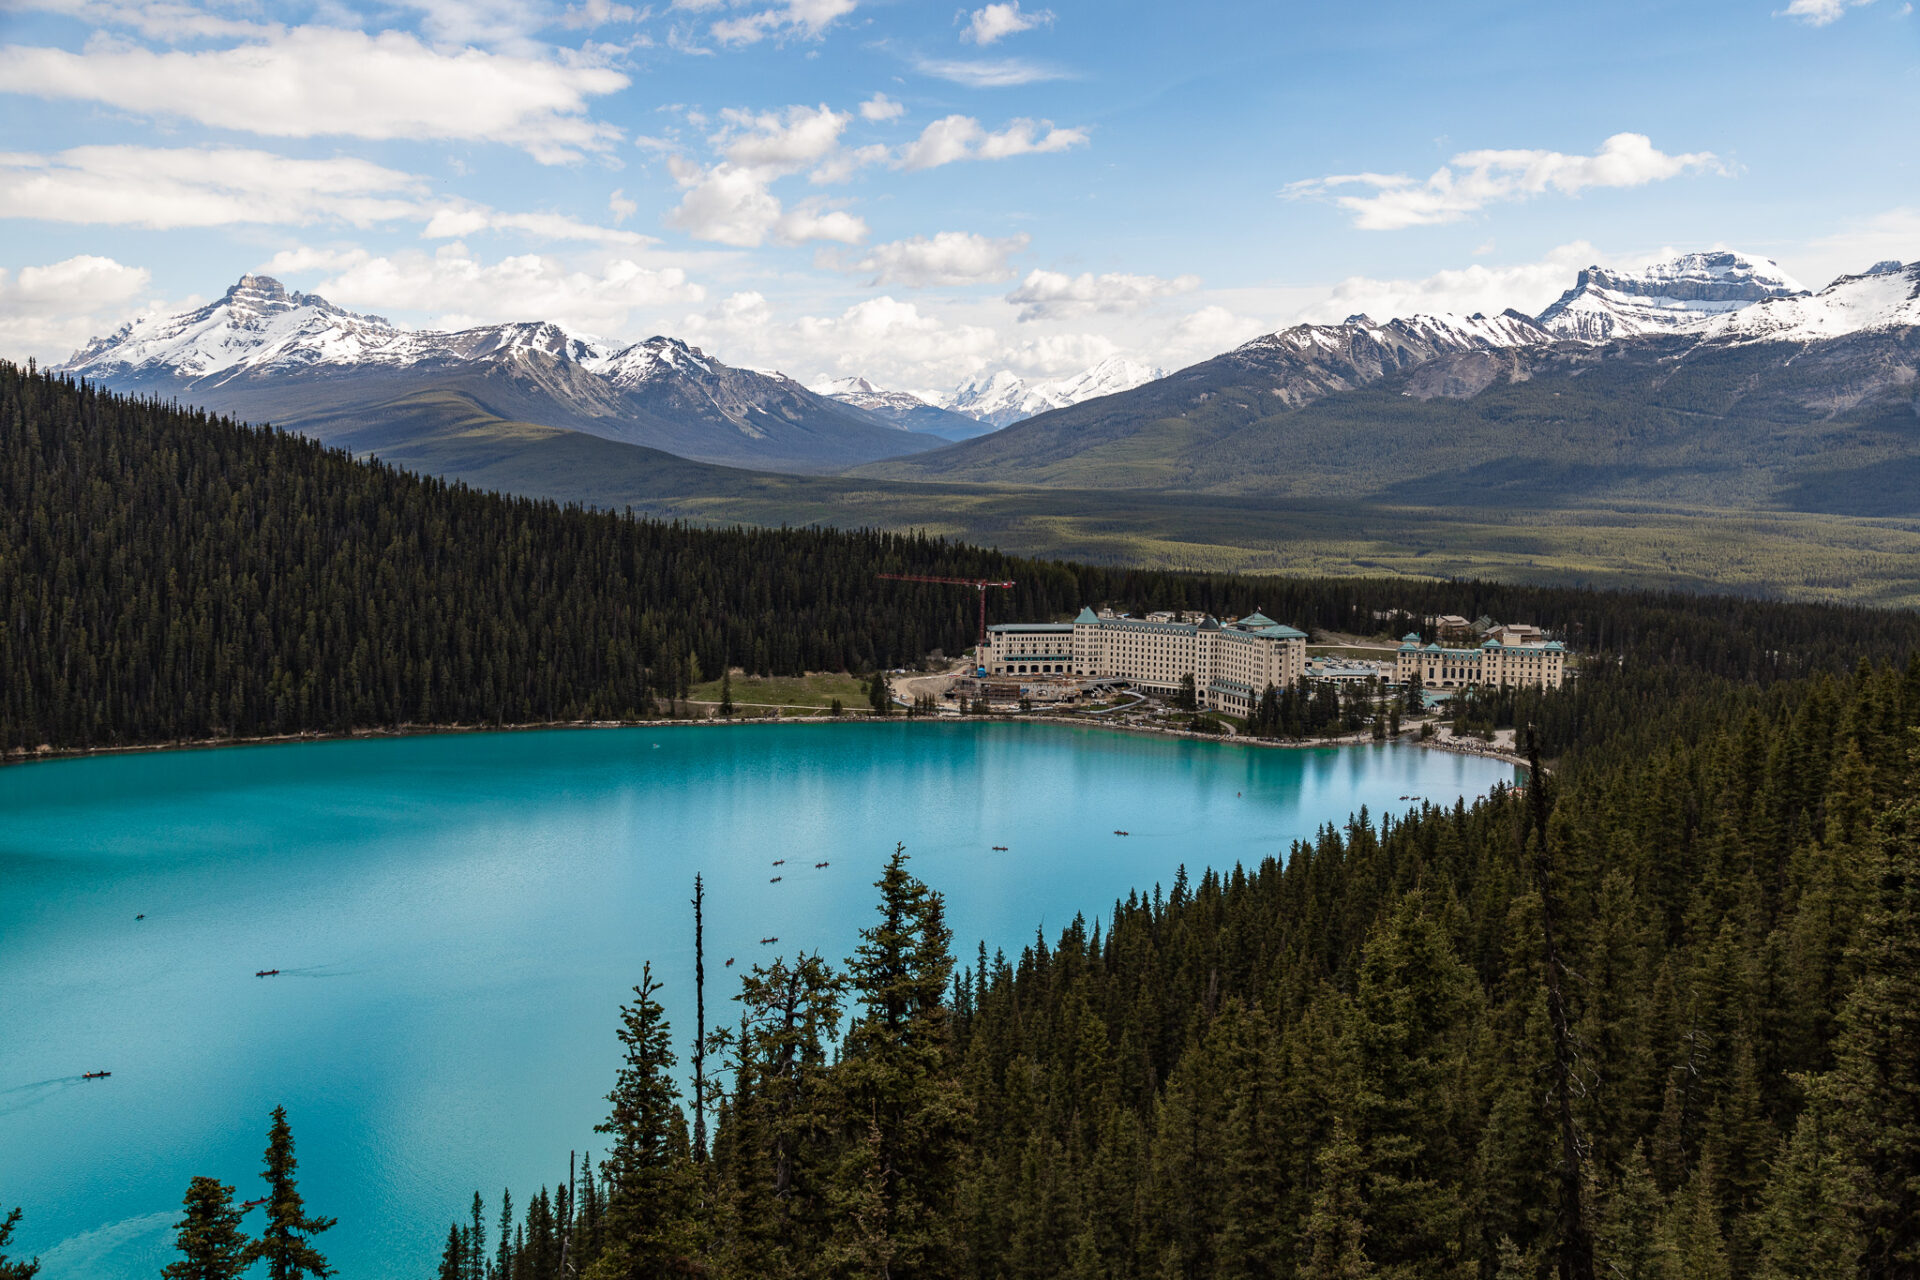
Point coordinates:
[(1659, 1020), (167, 574)]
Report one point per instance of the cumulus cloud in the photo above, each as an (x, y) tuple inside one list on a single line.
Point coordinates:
[(1206, 332), (987, 73), (1527, 287), (318, 81), (880, 107), (731, 201), (946, 258), (459, 288), (1046, 295), (1818, 13), (959, 137), (997, 21), (804, 19), (896, 344), (49, 312), (1474, 179), (164, 188), (1056, 355)]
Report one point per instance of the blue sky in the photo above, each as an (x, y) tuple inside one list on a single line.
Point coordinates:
[(920, 192)]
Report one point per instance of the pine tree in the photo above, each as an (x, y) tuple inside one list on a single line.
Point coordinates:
[(648, 1168), (1873, 1091), (285, 1245), (726, 692), (1336, 1230), (453, 1257), (208, 1235), (900, 1091), (877, 696), (14, 1270)]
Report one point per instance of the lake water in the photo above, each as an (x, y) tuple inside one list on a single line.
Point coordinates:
[(457, 919)]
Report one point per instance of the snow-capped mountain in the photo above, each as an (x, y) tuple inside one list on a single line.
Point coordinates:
[(1002, 397), (903, 409), (1885, 296), (295, 359), (1683, 295)]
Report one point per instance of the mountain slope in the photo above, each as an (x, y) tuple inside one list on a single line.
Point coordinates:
[(1135, 438), (302, 363)]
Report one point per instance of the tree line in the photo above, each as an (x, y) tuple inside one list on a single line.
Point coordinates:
[(167, 574)]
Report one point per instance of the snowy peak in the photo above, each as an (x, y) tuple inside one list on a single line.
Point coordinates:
[(1683, 295), (863, 394), (1002, 397), (1408, 338), (1885, 296)]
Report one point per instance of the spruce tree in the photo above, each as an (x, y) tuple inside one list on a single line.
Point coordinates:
[(286, 1245), (648, 1168), (1873, 1091), (899, 1088), (208, 1235), (14, 1270), (453, 1257)]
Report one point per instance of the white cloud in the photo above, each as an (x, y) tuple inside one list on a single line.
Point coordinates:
[(807, 19), (460, 289), (946, 258), (880, 107), (959, 137), (49, 312), (620, 207), (895, 344), (165, 188), (304, 259), (1203, 333), (1046, 295), (169, 188), (996, 21), (1818, 13), (1056, 355), (784, 141), (1474, 179), (454, 221), (731, 202), (318, 81), (1526, 287), (988, 73), (1894, 233)]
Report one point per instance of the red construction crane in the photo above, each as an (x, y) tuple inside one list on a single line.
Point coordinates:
[(978, 584)]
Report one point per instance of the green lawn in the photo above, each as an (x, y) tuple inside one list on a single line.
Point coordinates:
[(814, 691)]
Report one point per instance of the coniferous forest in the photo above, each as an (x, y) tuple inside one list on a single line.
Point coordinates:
[(168, 575), (1654, 1016)]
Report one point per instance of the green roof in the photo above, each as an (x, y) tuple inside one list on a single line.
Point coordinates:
[(1086, 615)]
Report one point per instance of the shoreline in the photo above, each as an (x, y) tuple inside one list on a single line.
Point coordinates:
[(1436, 743)]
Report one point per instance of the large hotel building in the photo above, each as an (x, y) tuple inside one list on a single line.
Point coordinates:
[(1516, 655), (1231, 663)]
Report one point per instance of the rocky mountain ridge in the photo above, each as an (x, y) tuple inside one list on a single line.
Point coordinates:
[(295, 359)]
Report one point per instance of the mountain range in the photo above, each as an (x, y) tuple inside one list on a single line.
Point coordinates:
[(264, 353), (1712, 380), (1692, 392)]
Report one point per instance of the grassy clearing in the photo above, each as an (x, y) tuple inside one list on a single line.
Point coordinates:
[(814, 691)]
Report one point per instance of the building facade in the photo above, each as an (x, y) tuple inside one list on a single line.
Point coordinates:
[(1516, 656), (1231, 663)]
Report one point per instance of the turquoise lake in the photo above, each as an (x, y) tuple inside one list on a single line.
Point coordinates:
[(457, 920)]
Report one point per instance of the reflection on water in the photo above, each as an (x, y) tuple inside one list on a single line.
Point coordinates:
[(479, 905)]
